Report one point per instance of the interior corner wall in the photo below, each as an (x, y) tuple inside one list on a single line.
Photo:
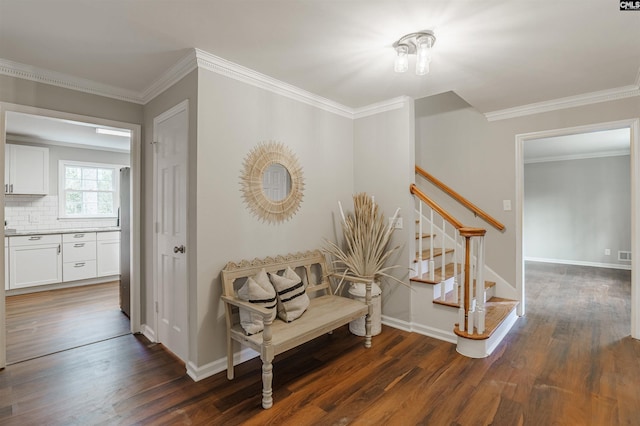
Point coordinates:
[(233, 117), (477, 158), (185, 89), (575, 209), (384, 153)]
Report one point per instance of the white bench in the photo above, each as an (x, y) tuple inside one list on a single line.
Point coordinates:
[(326, 311)]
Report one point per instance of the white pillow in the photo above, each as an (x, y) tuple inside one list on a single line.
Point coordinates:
[(292, 297), (259, 291)]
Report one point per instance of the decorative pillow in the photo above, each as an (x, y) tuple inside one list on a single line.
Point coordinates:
[(257, 290), (292, 297)]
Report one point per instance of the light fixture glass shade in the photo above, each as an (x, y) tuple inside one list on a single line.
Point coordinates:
[(423, 50), (402, 59)]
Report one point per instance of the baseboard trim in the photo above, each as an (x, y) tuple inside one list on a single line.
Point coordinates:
[(148, 332), (419, 328), (215, 367), (579, 263)]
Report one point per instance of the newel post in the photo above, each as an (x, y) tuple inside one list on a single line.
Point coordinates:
[(469, 233)]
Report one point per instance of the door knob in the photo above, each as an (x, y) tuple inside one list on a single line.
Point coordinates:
[(177, 249)]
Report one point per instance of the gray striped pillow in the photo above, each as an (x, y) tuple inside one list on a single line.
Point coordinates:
[(292, 297), (259, 291)]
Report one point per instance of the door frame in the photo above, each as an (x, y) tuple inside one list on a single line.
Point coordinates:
[(135, 205), (153, 335), (634, 126)]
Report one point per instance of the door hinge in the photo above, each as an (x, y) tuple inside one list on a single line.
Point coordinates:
[(157, 310)]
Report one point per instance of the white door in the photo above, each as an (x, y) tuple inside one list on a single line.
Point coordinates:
[(170, 140)]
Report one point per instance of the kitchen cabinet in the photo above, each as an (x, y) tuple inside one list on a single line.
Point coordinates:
[(26, 170), (108, 253), (35, 260), (78, 256)]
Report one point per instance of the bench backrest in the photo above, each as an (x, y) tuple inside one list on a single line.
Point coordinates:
[(310, 266)]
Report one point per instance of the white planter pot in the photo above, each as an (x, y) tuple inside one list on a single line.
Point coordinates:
[(357, 291)]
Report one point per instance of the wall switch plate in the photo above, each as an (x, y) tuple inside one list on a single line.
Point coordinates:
[(506, 205), (397, 224), (607, 252)]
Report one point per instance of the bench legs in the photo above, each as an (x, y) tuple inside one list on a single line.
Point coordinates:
[(267, 378), (367, 329), (229, 358)]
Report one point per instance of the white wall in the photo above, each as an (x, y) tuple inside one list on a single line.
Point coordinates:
[(383, 163), (575, 209), (233, 117)]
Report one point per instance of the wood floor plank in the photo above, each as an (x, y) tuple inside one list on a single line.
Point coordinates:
[(569, 361)]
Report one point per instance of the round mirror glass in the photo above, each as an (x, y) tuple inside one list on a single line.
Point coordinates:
[(276, 182)]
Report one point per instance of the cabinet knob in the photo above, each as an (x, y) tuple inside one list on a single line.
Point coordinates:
[(180, 249)]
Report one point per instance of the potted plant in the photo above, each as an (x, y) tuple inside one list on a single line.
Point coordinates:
[(362, 257)]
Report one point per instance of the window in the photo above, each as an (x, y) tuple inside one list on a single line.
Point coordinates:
[(88, 190)]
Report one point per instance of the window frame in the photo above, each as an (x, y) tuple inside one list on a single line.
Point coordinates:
[(62, 192)]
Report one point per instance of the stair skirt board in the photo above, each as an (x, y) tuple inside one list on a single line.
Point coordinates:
[(483, 348)]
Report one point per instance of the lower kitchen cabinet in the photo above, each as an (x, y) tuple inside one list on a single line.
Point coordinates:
[(79, 256), (35, 260), (108, 253)]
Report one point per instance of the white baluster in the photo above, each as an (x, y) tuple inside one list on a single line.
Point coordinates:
[(462, 293), (456, 236), (443, 277), (431, 263), (480, 293), (420, 266)]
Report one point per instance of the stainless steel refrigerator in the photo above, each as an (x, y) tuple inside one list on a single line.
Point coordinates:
[(124, 218)]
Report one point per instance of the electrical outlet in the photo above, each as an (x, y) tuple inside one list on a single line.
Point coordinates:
[(33, 218), (506, 205), (607, 252), (397, 224)]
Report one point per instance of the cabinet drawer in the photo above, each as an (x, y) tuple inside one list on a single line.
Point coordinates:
[(28, 240), (72, 271), (78, 251), (108, 236), (78, 236)]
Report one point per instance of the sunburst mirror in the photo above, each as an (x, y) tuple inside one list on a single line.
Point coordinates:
[(272, 182)]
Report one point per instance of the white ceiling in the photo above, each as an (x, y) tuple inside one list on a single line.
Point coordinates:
[(22, 127), (496, 54), (581, 145)]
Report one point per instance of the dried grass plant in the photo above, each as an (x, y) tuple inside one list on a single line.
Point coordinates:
[(366, 239)]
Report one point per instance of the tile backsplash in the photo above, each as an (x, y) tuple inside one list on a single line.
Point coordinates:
[(38, 213)]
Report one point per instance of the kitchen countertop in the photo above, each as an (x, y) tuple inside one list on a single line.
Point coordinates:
[(11, 233)]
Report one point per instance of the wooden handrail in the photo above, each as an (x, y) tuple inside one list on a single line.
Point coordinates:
[(468, 204), (428, 201)]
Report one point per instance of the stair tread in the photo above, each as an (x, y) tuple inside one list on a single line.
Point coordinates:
[(437, 273), (424, 235), (449, 300), (426, 254), (496, 310)]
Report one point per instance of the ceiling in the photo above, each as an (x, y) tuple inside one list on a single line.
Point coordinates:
[(22, 127), (495, 54), (577, 146)]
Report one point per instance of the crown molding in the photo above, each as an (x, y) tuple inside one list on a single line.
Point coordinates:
[(568, 102), (40, 75), (379, 107), (237, 72), (170, 77)]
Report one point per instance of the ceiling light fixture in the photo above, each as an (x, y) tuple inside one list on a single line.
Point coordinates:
[(419, 44), (113, 132)]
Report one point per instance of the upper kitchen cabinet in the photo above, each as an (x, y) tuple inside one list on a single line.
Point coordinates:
[(26, 170)]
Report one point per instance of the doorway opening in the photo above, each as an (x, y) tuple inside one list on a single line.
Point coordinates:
[(577, 200), (82, 208)]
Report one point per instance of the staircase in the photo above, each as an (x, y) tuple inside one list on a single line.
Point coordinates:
[(448, 265)]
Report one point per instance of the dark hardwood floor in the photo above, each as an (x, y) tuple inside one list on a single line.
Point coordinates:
[(570, 361), (51, 321)]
